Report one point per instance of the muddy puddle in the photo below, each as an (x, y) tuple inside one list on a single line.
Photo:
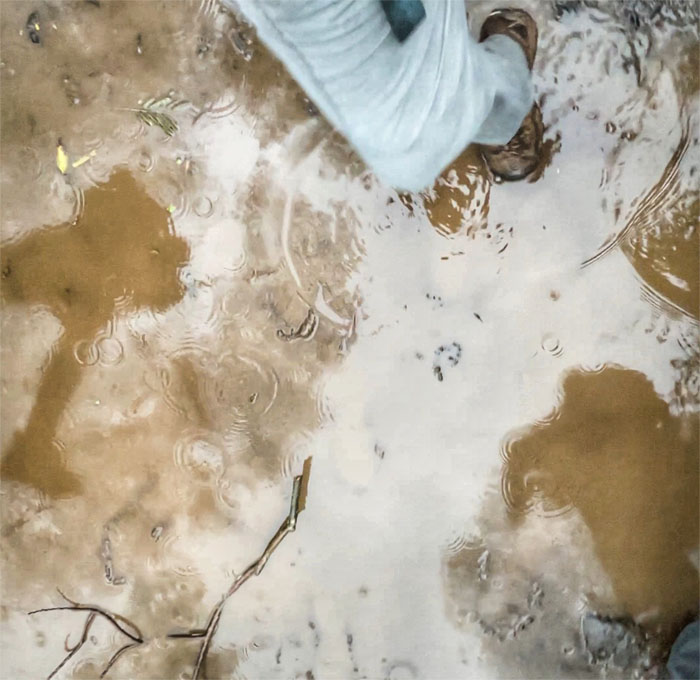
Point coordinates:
[(614, 453), (203, 287), (613, 472)]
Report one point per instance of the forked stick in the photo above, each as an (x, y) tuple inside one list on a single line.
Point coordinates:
[(297, 504)]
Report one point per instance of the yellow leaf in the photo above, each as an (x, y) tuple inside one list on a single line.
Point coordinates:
[(61, 159)]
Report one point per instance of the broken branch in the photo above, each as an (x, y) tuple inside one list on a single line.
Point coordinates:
[(132, 631), (297, 504), (73, 650), (116, 655), (121, 623)]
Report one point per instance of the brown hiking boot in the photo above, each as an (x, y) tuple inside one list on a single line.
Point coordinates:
[(518, 25), (521, 155)]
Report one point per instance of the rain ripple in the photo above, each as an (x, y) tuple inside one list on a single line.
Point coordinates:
[(551, 345), (534, 490), (200, 456)]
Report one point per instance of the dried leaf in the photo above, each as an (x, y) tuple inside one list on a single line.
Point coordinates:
[(151, 113), (160, 119), (154, 113), (61, 159)]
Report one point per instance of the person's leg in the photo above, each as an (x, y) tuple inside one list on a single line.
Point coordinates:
[(409, 108)]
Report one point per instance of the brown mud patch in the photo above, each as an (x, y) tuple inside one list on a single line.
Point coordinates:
[(120, 255), (614, 453), (586, 570)]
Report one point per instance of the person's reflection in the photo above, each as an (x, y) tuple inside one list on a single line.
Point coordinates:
[(121, 250)]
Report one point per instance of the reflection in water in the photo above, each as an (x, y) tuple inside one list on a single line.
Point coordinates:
[(661, 239), (460, 196), (120, 254), (615, 453), (664, 252)]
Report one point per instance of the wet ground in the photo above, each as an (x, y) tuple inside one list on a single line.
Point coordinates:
[(498, 385)]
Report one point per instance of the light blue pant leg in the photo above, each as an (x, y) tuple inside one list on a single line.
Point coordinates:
[(409, 108)]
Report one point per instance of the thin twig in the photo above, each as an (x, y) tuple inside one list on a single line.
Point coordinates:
[(211, 629), (116, 655), (72, 651), (112, 618), (189, 634), (132, 631), (119, 622), (297, 504)]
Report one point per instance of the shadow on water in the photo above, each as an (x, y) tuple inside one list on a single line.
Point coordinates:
[(614, 452), (120, 255)]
